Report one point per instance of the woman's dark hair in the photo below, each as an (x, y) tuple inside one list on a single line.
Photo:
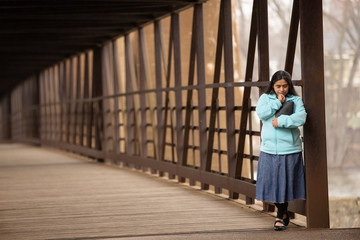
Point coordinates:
[(281, 74)]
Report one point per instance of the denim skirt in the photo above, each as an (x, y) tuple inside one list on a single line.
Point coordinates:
[(280, 178)]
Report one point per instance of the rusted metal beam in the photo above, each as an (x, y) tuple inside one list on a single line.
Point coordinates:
[(312, 71)]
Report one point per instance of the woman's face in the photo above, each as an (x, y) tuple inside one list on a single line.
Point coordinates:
[(281, 87)]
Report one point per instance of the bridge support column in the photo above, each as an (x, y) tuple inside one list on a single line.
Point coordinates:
[(311, 31)]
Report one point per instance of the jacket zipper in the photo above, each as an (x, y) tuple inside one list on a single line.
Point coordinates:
[(276, 145)]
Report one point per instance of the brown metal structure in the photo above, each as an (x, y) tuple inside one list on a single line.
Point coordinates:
[(103, 103)]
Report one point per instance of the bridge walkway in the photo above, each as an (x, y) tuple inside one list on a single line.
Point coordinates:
[(50, 194)]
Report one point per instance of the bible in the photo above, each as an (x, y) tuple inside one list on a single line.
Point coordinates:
[(287, 108)]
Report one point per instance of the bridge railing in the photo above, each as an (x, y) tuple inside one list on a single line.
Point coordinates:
[(125, 103)]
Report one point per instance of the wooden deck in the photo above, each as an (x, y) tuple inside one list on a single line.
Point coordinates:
[(48, 194)]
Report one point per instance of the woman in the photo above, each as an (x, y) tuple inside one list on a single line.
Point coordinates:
[(280, 176)]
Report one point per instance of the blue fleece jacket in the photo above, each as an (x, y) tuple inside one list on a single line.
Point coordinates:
[(286, 138)]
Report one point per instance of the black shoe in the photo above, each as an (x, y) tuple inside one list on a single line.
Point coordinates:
[(287, 219), (279, 228)]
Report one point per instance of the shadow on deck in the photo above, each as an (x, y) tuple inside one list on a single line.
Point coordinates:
[(48, 194)]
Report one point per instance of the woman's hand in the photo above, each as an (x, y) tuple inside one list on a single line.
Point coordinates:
[(281, 98), (275, 123)]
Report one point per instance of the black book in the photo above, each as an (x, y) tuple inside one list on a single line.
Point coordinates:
[(287, 108)]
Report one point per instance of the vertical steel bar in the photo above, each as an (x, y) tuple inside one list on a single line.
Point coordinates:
[(246, 94), (192, 182), (47, 104), (312, 71), (188, 108), (263, 42), (293, 33), (106, 102), (97, 92), (250, 200), (229, 91), (158, 80), (37, 110), (77, 98), (22, 113), (178, 83), (34, 95), (144, 152), (73, 103), (200, 60), (263, 51), (130, 111), (87, 105), (67, 100), (167, 100), (116, 99), (51, 102), (215, 91), (62, 98), (81, 103), (42, 107), (218, 190), (159, 94), (56, 102)]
